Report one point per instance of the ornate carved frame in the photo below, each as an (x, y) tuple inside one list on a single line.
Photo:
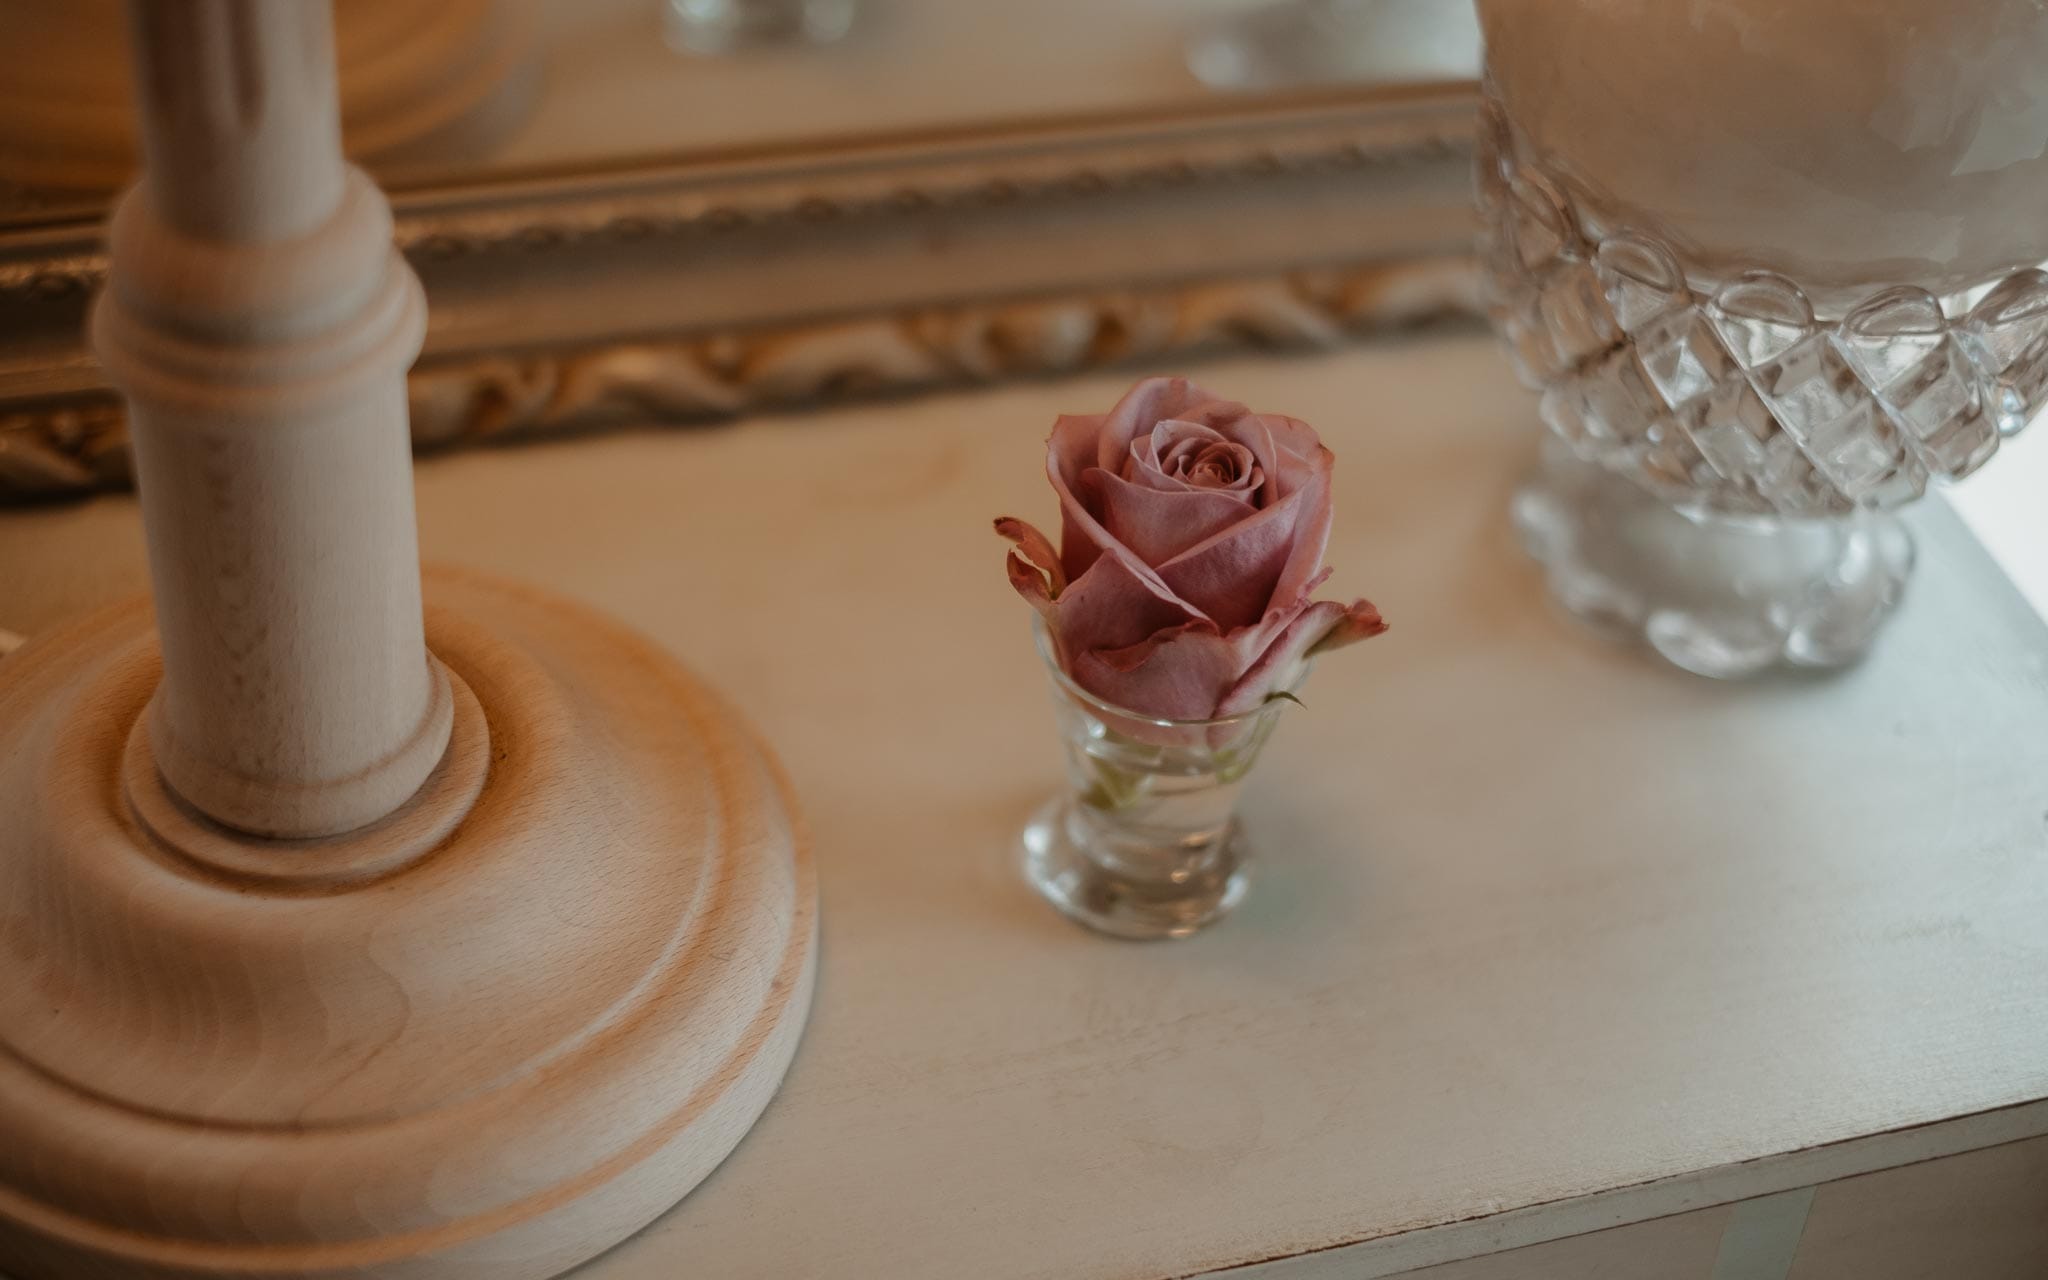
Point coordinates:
[(728, 282)]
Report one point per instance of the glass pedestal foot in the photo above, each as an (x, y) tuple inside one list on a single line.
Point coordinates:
[(1170, 892), (1720, 596)]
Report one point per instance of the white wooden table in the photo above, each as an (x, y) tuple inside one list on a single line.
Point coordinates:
[(1548, 940)]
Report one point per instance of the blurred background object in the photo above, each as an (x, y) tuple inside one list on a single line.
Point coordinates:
[(840, 203), (1304, 42), (721, 26), (503, 90), (420, 84)]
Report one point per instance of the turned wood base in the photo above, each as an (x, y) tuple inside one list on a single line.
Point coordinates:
[(488, 1036)]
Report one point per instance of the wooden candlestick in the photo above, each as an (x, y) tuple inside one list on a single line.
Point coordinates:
[(261, 324), (347, 934)]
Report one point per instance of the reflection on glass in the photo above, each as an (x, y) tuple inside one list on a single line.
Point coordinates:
[(722, 26), (1305, 42)]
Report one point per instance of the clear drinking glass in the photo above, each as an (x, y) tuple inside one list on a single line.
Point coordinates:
[(1144, 842), (1760, 323)]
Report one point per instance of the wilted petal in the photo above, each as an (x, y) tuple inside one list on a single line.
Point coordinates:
[(1361, 621), (1280, 666), (1034, 547), (1030, 582)]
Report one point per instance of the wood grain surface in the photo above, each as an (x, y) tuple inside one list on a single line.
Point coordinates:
[(260, 323), (492, 1061), (334, 941)]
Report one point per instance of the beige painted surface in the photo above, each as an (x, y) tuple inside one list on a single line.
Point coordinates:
[(1683, 1247), (1983, 1216), (1547, 939)]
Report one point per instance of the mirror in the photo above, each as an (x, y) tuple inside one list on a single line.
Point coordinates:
[(464, 91), (634, 210)]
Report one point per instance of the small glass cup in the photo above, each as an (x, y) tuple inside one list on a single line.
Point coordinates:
[(1144, 842)]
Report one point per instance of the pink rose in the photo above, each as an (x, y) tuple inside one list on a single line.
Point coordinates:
[(1191, 539)]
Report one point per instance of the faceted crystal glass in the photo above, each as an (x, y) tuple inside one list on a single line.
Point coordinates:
[(1144, 841), (1729, 444)]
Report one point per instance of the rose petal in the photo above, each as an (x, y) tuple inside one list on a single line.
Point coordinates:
[(1079, 442), (1071, 448), (1117, 603), (1172, 442), (1288, 450), (1173, 457), (1159, 524), (1280, 665), (1150, 402), (1151, 453), (1250, 432), (1362, 621), (1192, 538), (1304, 565), (1235, 574), (1291, 435), (1070, 455), (1030, 582), (1177, 673), (1223, 466), (1296, 464), (1034, 547)]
